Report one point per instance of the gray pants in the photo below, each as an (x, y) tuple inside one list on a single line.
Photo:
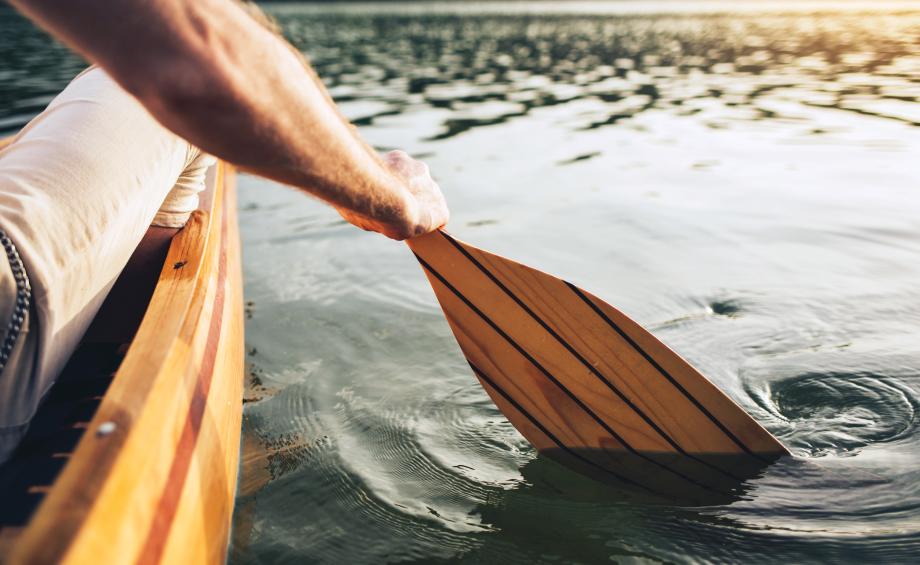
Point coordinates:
[(17, 347)]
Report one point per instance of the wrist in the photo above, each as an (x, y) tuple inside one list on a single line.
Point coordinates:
[(398, 218), (406, 223)]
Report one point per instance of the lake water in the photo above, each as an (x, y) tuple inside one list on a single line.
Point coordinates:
[(741, 178)]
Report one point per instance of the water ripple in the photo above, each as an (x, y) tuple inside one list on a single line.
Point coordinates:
[(842, 413)]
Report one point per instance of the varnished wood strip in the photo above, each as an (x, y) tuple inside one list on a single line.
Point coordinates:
[(544, 401), (568, 347), (661, 370), (609, 354), (591, 367), (529, 333), (532, 337), (718, 407), (541, 397), (479, 342), (201, 525), (546, 373), (166, 508), (578, 401)]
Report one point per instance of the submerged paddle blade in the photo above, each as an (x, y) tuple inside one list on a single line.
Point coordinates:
[(584, 383)]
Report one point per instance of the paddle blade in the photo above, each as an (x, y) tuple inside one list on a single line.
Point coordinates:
[(583, 382)]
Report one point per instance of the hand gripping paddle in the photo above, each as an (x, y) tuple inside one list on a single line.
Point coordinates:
[(588, 386)]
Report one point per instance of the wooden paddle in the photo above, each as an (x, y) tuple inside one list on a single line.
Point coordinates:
[(587, 385)]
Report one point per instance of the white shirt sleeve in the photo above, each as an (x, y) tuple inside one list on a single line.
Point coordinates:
[(182, 200)]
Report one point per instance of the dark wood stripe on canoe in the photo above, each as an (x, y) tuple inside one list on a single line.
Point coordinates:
[(600, 421), (486, 380), (663, 372), (591, 368), (185, 449)]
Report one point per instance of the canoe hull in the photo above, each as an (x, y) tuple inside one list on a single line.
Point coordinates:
[(154, 477)]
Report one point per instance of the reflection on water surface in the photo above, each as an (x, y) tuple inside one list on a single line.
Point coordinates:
[(742, 184), (486, 70)]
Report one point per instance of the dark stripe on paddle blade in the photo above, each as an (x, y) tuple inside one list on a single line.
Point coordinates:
[(554, 380), (648, 420), (663, 372)]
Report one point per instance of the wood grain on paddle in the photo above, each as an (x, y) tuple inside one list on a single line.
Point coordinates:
[(578, 378)]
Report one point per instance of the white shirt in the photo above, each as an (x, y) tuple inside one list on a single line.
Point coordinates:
[(79, 186)]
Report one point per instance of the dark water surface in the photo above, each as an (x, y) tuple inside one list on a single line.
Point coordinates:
[(743, 184)]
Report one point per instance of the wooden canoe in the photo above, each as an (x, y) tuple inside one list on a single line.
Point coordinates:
[(148, 472)]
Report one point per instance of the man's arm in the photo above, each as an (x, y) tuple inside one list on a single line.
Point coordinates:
[(211, 74)]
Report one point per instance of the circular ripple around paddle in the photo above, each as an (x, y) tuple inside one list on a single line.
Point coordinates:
[(842, 413)]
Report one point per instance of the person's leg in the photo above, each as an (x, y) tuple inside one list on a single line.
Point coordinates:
[(79, 187), (18, 344)]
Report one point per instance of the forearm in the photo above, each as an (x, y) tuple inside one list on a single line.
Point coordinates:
[(231, 87)]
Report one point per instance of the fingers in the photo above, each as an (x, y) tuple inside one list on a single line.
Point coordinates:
[(431, 207), (421, 209)]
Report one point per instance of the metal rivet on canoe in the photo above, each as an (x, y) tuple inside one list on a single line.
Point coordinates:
[(105, 428)]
